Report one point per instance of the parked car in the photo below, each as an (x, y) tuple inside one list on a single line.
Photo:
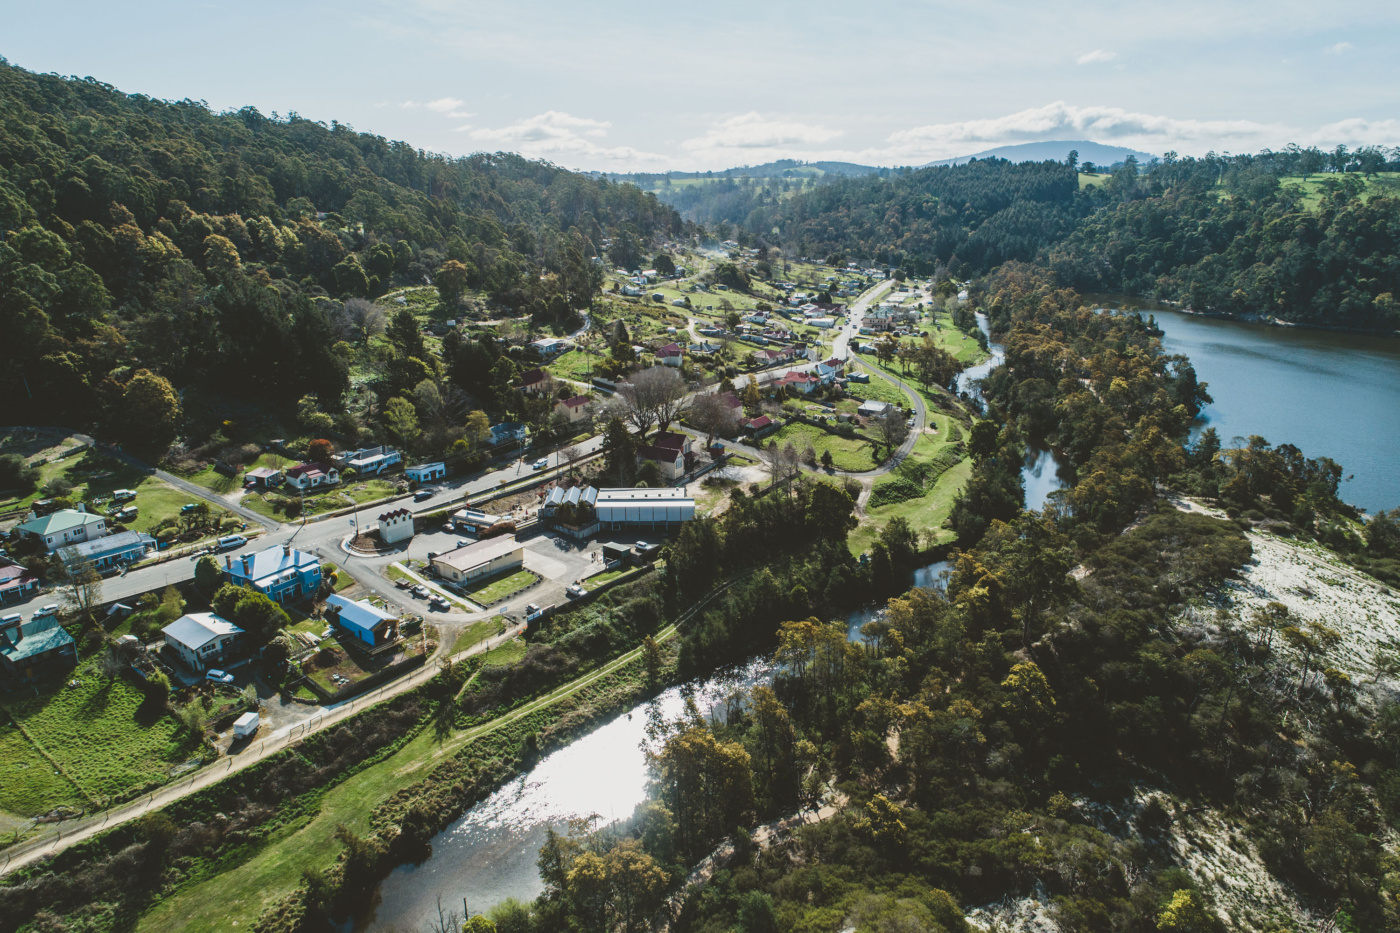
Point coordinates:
[(533, 612), (576, 591), (420, 591), (218, 676), (423, 495), (187, 508), (43, 611), (541, 464), (439, 602), (228, 542), (403, 584)]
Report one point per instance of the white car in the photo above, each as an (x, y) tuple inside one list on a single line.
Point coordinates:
[(576, 591), (541, 464)]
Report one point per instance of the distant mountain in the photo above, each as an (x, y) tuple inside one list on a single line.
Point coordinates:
[(783, 168), (1088, 151)]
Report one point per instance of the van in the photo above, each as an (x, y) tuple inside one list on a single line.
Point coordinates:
[(123, 495), (231, 541), (45, 611), (126, 514), (9, 620)]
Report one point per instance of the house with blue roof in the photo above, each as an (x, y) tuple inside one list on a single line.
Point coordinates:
[(280, 573), (36, 649), (362, 620)]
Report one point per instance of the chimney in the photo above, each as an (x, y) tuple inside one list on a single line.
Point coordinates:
[(286, 550), (228, 561), (246, 558)]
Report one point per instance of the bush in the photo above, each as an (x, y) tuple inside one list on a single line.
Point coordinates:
[(17, 475)]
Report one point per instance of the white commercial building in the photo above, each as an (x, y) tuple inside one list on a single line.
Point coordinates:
[(481, 559), (395, 526), (651, 508)]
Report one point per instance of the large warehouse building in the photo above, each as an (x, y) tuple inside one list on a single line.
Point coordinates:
[(649, 508), (480, 559)]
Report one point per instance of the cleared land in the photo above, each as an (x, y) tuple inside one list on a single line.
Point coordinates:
[(851, 454)]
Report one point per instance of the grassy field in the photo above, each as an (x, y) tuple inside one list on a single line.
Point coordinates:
[(506, 654), (1088, 181), (103, 734), (927, 512), (498, 587), (476, 632), (851, 454), (223, 484), (1315, 188), (29, 785)]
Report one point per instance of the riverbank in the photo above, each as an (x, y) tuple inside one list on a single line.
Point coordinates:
[(1107, 301)]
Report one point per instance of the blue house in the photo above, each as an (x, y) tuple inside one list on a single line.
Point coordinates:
[(280, 572), (362, 620), (125, 547)]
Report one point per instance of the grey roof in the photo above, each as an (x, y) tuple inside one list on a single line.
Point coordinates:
[(112, 544), (198, 629)]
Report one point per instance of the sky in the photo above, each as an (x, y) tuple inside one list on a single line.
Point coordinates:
[(631, 86)]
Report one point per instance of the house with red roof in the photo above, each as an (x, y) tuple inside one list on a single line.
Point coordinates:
[(758, 427), (312, 476), (806, 383), (534, 381), (671, 460), (669, 355), (576, 408)]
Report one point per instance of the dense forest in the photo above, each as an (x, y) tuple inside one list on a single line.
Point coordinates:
[(147, 247)]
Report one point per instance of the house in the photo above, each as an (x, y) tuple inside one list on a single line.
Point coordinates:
[(396, 526), (828, 371), (426, 472), (370, 461), (363, 621), (576, 408), (280, 572), (550, 347), (201, 639), (480, 559), (758, 427), (806, 383), (669, 355), (647, 508), (264, 478), (16, 583), (35, 649), (125, 547), (312, 476), (64, 527), (705, 346), (673, 441), (534, 381), (872, 408), (508, 431), (670, 460)]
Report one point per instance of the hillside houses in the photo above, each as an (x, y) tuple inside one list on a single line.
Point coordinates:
[(36, 649), (64, 527), (306, 476)]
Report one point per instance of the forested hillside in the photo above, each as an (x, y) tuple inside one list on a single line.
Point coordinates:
[(149, 246)]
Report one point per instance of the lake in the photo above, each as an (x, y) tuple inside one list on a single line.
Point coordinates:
[(1330, 394)]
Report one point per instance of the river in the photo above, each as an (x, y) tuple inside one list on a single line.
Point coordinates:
[(489, 854), (1330, 394)]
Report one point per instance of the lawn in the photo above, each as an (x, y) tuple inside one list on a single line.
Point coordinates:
[(503, 655), (157, 500), (330, 658), (498, 587), (879, 389), (927, 512), (223, 484), (273, 504), (477, 632), (104, 734), (29, 785), (851, 454)]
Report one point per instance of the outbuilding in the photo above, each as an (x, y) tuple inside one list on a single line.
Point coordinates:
[(395, 526), (362, 620)]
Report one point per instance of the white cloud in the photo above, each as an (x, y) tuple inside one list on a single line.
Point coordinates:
[(751, 138), (1355, 131), (1338, 49), (1066, 121), (567, 139), (447, 106), (1098, 55)]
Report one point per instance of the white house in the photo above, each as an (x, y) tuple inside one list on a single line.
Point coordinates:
[(669, 355), (395, 526), (369, 461), (65, 527), (551, 346), (426, 472), (872, 408), (312, 476), (201, 639)]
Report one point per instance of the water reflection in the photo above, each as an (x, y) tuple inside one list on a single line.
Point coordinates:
[(489, 854), (1042, 474), (931, 576)]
